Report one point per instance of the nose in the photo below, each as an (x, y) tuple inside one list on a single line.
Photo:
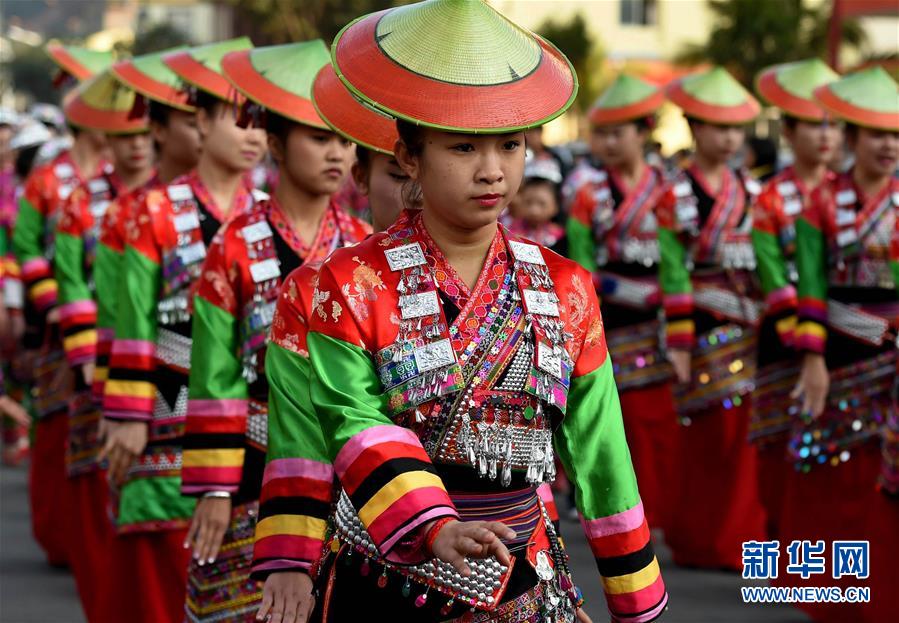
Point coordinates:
[(490, 170)]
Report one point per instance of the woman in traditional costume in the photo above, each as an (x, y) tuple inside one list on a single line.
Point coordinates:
[(706, 277), (448, 358), (145, 399), (104, 105), (40, 208), (612, 233), (226, 432), (814, 139), (847, 253)]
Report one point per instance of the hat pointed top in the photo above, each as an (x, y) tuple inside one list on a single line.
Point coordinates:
[(626, 99), (201, 66), (77, 61), (105, 104), (714, 96), (790, 86), (152, 78), (868, 98)]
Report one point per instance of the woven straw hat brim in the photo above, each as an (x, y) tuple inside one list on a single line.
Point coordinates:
[(526, 102), (857, 115), (198, 75), (622, 114), (712, 113), (149, 87), (351, 118), (795, 106), (114, 120), (74, 66), (239, 69)]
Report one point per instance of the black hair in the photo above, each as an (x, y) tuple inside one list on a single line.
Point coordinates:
[(74, 130), (207, 101), (850, 131), (765, 151), (159, 112), (790, 122), (412, 135), (25, 160), (278, 125), (556, 190), (363, 156)]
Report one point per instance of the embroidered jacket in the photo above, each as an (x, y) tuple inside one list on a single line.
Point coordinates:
[(843, 241), (774, 240), (225, 436), (413, 374), (40, 206), (698, 228), (150, 357)]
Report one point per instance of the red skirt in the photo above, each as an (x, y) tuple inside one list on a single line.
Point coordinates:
[(717, 504), (149, 582), (650, 423), (841, 503), (774, 470), (47, 484), (93, 538)]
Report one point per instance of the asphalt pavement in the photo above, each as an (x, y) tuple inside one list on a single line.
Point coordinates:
[(33, 592)]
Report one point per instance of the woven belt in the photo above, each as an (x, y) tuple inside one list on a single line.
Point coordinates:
[(721, 302), (637, 357)]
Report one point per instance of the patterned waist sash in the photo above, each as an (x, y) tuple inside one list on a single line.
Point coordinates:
[(637, 358)]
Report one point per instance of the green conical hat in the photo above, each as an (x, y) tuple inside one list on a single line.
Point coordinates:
[(457, 65), (714, 96), (626, 99), (790, 87), (103, 103), (78, 62), (201, 67), (280, 77), (869, 98), (152, 78)]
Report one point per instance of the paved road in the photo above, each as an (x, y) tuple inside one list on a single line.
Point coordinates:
[(32, 592)]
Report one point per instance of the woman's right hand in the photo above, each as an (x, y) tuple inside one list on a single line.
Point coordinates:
[(476, 539), (681, 361), (813, 384), (286, 598)]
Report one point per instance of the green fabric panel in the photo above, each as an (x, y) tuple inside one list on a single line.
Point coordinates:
[(107, 272), (772, 268), (68, 264), (28, 237), (581, 244), (894, 268), (345, 390), (674, 278), (294, 431), (138, 290), (215, 368), (154, 499), (4, 242), (811, 261), (592, 446)]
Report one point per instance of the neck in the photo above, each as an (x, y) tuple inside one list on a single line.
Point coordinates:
[(302, 208), (168, 169), (132, 179), (810, 174), (221, 183), (868, 182), (711, 168), (85, 157), (630, 172), (465, 250)]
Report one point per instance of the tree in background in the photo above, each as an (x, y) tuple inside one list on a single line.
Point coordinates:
[(160, 36), (749, 35), (574, 39)]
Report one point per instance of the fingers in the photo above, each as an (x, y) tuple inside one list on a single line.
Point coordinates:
[(265, 605), (202, 538), (192, 533), (501, 530), (499, 551), (278, 609), (304, 610), (457, 560), (291, 604), (215, 542), (799, 390)]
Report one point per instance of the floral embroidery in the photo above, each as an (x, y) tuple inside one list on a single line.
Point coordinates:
[(336, 310), (594, 333), (222, 287), (578, 302), (320, 297), (366, 282)]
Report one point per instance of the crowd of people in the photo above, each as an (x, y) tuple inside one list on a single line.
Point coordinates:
[(307, 333)]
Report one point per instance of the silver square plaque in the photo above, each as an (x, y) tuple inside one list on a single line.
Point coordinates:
[(256, 232), (537, 302), (265, 270), (406, 256), (434, 355), (526, 252), (418, 305)]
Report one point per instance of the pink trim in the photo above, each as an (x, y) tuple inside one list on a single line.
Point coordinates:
[(546, 493), (361, 441), (81, 355), (624, 521), (142, 348), (77, 307), (638, 601), (399, 554), (678, 299), (281, 565), (47, 299), (225, 407), (781, 295), (34, 265), (297, 468)]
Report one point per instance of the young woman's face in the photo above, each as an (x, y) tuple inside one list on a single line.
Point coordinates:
[(314, 160), (717, 143), (232, 147), (382, 181), (132, 154), (178, 138), (814, 143), (466, 180), (619, 144), (536, 203), (876, 151)]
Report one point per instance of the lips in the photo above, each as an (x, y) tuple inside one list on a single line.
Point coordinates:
[(488, 200)]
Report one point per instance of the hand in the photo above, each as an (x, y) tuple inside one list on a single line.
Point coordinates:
[(813, 384), (478, 539), (287, 596), (680, 361), (124, 443), (210, 522), (53, 316), (14, 411), (583, 617), (87, 372)]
